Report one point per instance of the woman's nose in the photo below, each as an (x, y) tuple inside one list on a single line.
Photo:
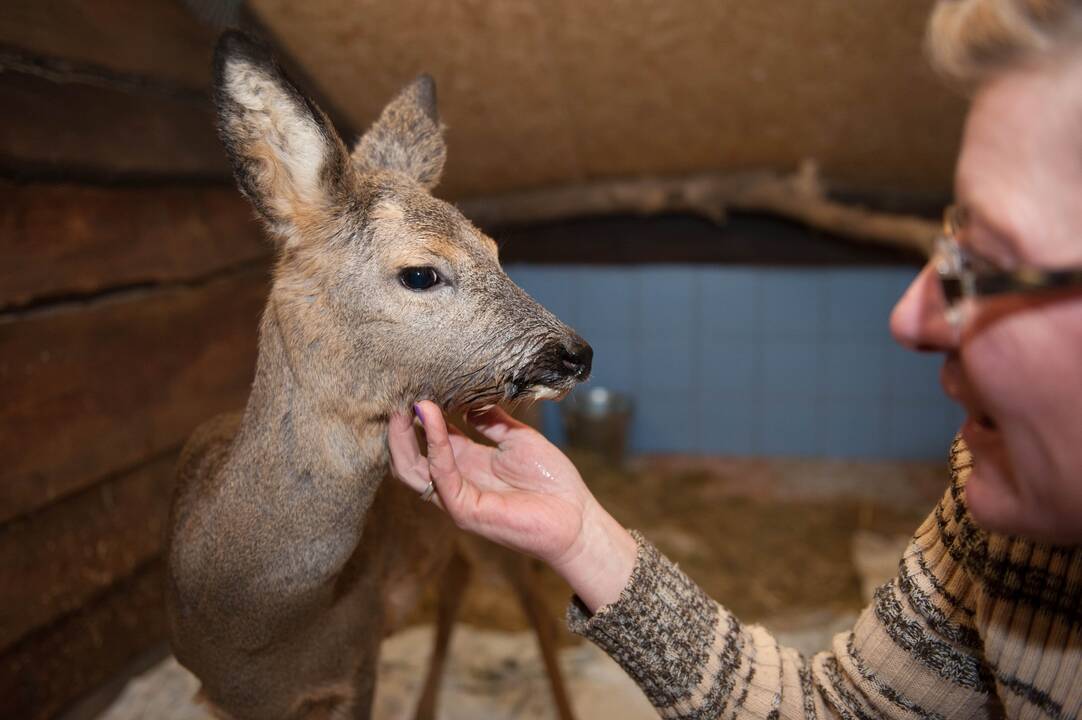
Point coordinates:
[(919, 320)]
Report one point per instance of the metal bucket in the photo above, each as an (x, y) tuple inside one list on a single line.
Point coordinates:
[(596, 420)]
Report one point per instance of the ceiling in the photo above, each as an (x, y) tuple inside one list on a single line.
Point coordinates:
[(547, 92)]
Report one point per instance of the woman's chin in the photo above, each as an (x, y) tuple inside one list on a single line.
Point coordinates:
[(989, 499), (991, 494), (993, 497), (996, 505)]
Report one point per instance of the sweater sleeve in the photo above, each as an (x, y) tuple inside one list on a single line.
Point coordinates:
[(914, 653), (690, 656)]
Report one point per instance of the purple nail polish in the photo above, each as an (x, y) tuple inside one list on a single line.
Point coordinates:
[(417, 412)]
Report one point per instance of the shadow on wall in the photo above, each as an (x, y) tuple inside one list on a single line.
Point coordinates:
[(754, 360)]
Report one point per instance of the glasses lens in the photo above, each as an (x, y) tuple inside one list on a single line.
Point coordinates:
[(947, 262), (948, 265), (954, 219)]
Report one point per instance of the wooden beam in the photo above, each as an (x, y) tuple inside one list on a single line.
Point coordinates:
[(62, 240), (90, 389), (53, 667), (76, 548), (78, 131)]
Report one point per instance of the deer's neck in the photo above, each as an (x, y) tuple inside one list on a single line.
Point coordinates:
[(309, 448)]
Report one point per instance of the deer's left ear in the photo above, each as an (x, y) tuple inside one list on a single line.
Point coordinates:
[(408, 137), (286, 156)]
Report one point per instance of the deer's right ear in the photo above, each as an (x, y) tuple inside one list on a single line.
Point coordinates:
[(407, 137), (286, 156)]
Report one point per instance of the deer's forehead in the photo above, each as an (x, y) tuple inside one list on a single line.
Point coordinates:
[(434, 226)]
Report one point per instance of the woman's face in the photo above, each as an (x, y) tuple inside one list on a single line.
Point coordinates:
[(1015, 364)]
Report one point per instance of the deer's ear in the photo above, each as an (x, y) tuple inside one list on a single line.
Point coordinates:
[(286, 156), (408, 137)]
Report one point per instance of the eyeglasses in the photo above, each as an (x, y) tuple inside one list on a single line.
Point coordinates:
[(966, 276)]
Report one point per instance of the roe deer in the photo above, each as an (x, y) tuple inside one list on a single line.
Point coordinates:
[(288, 557)]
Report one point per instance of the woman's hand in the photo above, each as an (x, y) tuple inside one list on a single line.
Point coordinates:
[(524, 494)]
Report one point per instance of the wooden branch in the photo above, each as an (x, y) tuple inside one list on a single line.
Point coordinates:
[(798, 197)]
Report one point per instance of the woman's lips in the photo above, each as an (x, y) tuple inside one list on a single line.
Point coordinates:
[(951, 380), (957, 389), (977, 432)]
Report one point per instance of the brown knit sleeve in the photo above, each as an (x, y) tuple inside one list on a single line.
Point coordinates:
[(656, 628), (689, 655), (914, 653)]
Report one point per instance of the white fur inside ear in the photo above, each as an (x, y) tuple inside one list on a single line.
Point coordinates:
[(279, 128)]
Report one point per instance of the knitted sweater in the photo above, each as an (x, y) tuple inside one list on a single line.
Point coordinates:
[(976, 625)]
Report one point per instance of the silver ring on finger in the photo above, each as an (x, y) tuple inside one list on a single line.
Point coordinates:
[(427, 493)]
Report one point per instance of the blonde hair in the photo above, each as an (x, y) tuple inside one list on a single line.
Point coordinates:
[(968, 40)]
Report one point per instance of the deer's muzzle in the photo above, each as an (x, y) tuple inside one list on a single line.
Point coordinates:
[(556, 369)]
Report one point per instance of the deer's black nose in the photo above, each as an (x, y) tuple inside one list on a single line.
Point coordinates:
[(577, 357)]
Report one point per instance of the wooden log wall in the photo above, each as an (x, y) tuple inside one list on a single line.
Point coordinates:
[(132, 275)]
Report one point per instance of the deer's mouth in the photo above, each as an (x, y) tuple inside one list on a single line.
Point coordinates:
[(521, 390), (553, 373), (549, 375), (516, 390)]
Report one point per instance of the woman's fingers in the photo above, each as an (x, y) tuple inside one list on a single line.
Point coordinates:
[(458, 495), (407, 462), (494, 423)]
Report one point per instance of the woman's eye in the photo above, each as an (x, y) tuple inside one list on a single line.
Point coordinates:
[(419, 278), (972, 262)]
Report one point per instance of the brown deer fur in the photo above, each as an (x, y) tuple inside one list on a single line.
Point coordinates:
[(289, 558)]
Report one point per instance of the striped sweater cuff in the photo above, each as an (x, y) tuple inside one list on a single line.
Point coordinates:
[(661, 629)]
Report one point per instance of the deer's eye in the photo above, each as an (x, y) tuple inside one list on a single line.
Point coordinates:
[(419, 278)]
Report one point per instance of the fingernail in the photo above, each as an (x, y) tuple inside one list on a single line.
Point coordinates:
[(417, 412)]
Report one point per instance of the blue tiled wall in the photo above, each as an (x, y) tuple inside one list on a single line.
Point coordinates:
[(752, 360)]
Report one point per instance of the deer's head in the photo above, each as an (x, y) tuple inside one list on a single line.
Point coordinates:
[(381, 289)]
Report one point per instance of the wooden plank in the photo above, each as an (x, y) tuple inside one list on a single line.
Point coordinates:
[(63, 239), (152, 38), (52, 668), (75, 548), (66, 130), (93, 388)]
